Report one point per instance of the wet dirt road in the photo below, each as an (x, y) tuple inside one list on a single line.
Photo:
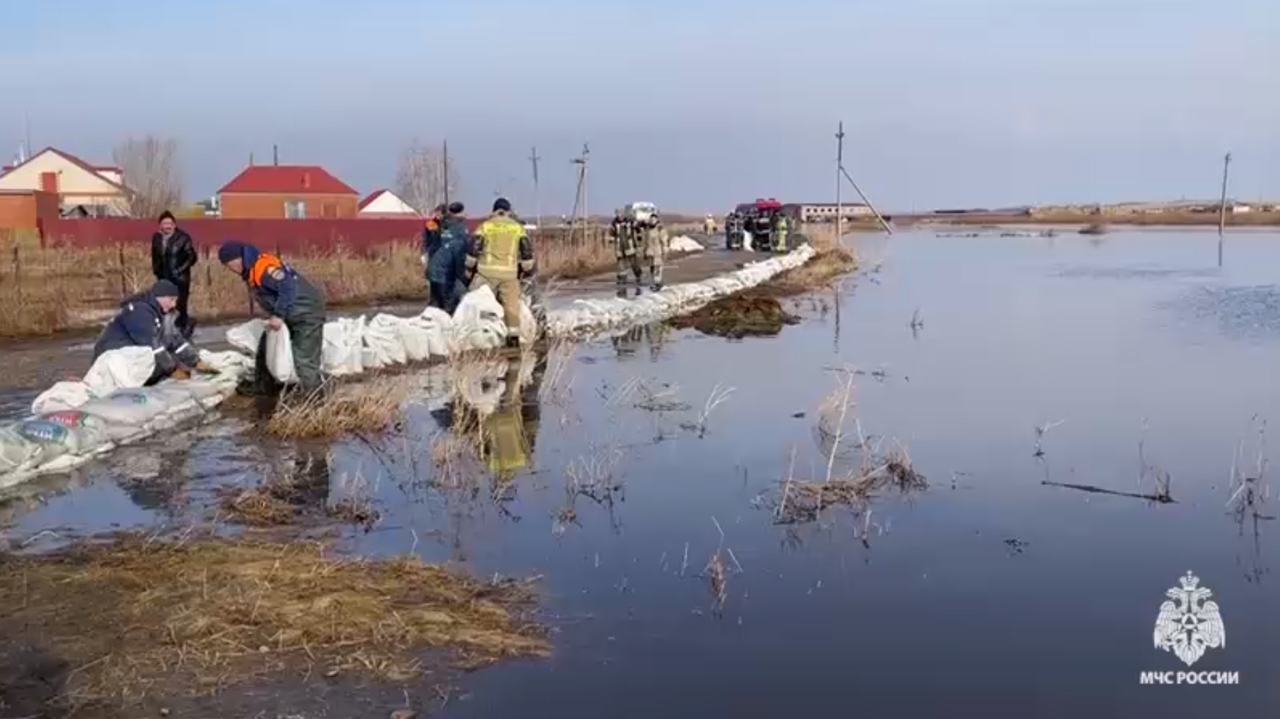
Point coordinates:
[(647, 488)]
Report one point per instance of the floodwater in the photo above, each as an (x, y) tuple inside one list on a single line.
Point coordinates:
[(1034, 362)]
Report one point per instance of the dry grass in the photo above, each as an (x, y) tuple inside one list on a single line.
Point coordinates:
[(876, 469), (365, 407), (283, 501), (44, 290), (138, 616)]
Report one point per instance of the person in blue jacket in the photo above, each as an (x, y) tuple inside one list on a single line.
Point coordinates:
[(147, 319), (446, 265), (289, 300)]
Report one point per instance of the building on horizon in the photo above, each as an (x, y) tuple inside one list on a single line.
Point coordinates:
[(291, 192), (83, 189), (385, 204)]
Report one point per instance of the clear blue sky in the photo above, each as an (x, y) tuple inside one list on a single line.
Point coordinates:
[(693, 105)]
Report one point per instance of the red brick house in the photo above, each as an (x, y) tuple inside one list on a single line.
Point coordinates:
[(288, 192)]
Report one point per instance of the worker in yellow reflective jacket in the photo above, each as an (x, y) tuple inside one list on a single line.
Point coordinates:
[(500, 255)]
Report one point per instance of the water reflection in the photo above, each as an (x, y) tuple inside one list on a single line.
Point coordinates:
[(630, 342)]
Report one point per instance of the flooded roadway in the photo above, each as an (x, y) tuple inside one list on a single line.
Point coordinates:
[(1036, 362)]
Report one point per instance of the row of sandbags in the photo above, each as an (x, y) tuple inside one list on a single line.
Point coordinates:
[(586, 317), (77, 421), (74, 422)]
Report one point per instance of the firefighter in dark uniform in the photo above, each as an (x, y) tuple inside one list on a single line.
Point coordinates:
[(624, 235), (289, 300)]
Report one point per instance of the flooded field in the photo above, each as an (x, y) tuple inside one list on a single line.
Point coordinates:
[(1088, 414)]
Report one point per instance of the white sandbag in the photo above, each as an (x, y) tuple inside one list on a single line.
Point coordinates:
[(382, 337), (343, 351), (133, 407), (280, 355), (683, 243), (478, 323), (122, 368), (19, 453), (245, 337), (62, 396), (77, 432), (226, 363), (436, 322)]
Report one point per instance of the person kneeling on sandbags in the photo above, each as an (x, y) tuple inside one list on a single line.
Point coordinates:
[(147, 319), (289, 301)]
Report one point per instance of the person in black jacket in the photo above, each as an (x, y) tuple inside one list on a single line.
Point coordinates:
[(172, 258), (143, 322)]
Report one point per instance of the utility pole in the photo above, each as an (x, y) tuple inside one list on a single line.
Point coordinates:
[(26, 122), (839, 168), (537, 192), (580, 200), (275, 155), (1222, 205)]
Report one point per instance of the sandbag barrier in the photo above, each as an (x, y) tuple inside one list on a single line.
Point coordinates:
[(75, 422)]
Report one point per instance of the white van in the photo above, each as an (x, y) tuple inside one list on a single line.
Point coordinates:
[(641, 211)]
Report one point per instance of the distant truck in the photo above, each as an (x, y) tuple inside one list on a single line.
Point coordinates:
[(754, 225), (641, 211)]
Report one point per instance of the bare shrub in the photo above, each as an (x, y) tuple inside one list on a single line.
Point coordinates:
[(152, 172)]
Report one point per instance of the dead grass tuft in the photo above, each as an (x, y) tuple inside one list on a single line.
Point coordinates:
[(138, 616), (368, 406), (274, 503)]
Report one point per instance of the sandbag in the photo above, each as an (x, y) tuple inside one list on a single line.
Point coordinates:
[(479, 323), (436, 322), (245, 337), (122, 368), (382, 339), (18, 452), (684, 243), (133, 407), (62, 396), (343, 351)]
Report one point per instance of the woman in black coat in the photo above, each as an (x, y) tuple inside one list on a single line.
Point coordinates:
[(172, 258)]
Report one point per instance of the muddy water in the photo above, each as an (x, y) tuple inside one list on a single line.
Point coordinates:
[(990, 592)]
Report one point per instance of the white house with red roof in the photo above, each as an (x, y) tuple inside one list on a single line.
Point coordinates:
[(386, 204), (99, 189)]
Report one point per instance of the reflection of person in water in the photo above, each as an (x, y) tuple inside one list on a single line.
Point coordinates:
[(311, 475), (628, 343), (507, 435)]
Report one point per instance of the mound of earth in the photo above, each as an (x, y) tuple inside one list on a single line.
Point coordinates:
[(746, 314), (757, 312)]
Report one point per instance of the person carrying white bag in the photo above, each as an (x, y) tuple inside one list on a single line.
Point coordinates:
[(292, 303)]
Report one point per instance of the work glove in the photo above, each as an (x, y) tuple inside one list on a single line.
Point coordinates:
[(423, 260), (181, 373)]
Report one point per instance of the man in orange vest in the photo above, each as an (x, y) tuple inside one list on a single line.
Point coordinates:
[(289, 301)]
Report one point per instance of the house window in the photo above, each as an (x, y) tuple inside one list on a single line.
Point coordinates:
[(295, 209)]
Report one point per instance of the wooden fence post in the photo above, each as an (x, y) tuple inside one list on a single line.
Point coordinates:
[(124, 287), (17, 270)]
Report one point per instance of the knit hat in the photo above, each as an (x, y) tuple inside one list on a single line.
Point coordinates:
[(229, 251), (164, 288), (502, 204), (456, 208)]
